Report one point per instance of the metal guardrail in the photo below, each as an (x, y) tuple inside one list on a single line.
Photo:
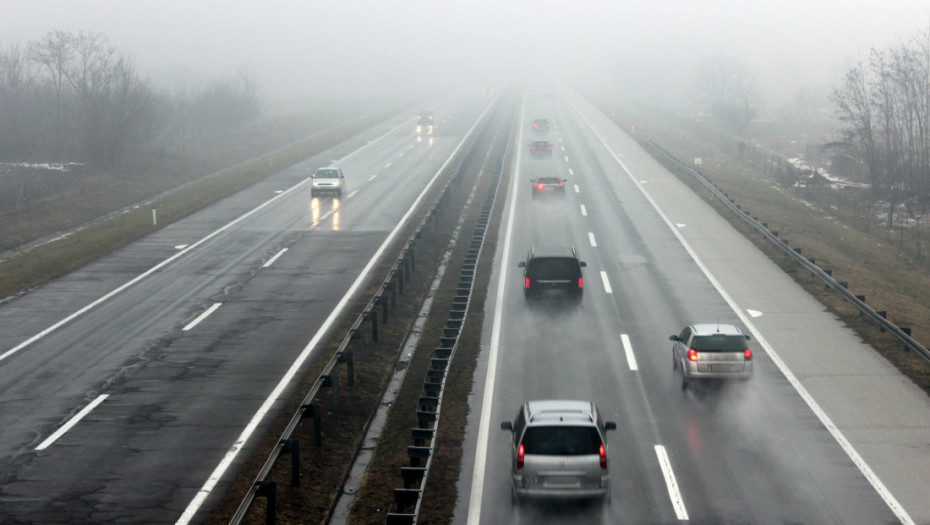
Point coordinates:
[(903, 334), (405, 508), (384, 300)]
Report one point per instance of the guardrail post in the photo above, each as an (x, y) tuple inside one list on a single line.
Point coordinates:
[(314, 411), (346, 357), (384, 307), (332, 381), (269, 491), (392, 288), (292, 447), (372, 316), (907, 331), (399, 275), (360, 335)]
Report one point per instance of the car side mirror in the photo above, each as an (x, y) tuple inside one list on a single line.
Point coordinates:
[(583, 264), (673, 338), (746, 336), (564, 180), (521, 264), (507, 425), (610, 425)]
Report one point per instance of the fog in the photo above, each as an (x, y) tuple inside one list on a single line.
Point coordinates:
[(304, 50)]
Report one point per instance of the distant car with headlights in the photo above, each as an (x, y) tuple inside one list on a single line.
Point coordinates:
[(425, 123), (543, 186), (711, 351), (540, 148), (540, 125), (328, 180), (558, 450)]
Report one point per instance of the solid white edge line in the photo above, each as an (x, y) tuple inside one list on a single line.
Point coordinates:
[(202, 316), (481, 455), (584, 211), (71, 422), (673, 493), (606, 281), (274, 258), (899, 511), (181, 253), (628, 350), (592, 240), (247, 432)]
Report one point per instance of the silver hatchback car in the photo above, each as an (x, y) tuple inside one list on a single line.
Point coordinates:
[(711, 351), (559, 449)]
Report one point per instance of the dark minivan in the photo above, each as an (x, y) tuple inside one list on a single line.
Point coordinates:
[(553, 272)]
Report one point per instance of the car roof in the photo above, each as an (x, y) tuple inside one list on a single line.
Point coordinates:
[(553, 251), (715, 328), (549, 411)]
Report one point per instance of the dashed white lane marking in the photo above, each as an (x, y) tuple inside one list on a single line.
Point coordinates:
[(275, 258), (388, 165), (577, 189), (677, 502), (202, 316), (604, 278), (180, 246), (628, 350), (591, 238), (571, 171), (352, 194), (680, 225), (566, 158), (754, 313), (584, 211), (892, 502), (372, 177), (71, 422)]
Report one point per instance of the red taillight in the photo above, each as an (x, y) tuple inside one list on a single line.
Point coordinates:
[(560, 184), (520, 456), (603, 453), (581, 282), (526, 283), (692, 355), (747, 354), (535, 125), (540, 186)]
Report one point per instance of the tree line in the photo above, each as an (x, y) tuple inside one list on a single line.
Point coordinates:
[(74, 96), (885, 106)]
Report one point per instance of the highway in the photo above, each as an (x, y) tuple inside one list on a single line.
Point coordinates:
[(658, 258), (125, 386), (129, 390)]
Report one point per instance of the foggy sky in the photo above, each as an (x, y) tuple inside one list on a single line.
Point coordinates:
[(310, 48)]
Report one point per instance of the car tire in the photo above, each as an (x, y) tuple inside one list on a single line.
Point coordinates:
[(674, 362), (514, 497), (684, 381)]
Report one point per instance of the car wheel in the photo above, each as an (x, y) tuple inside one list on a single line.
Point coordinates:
[(514, 497), (674, 362), (684, 381)]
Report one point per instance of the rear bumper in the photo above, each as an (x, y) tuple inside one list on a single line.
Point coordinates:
[(691, 372), (561, 492)]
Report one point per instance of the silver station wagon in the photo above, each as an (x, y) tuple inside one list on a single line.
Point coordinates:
[(559, 450), (711, 351)]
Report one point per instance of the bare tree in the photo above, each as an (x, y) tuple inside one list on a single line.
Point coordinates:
[(54, 51), (729, 90)]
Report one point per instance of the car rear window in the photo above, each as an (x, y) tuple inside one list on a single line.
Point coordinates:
[(548, 180), (719, 343), (561, 441), (327, 174), (553, 268)]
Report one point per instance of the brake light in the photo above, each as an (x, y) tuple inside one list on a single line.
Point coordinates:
[(603, 453), (581, 282), (560, 184), (747, 354), (520, 456), (692, 355), (540, 186), (526, 283)]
